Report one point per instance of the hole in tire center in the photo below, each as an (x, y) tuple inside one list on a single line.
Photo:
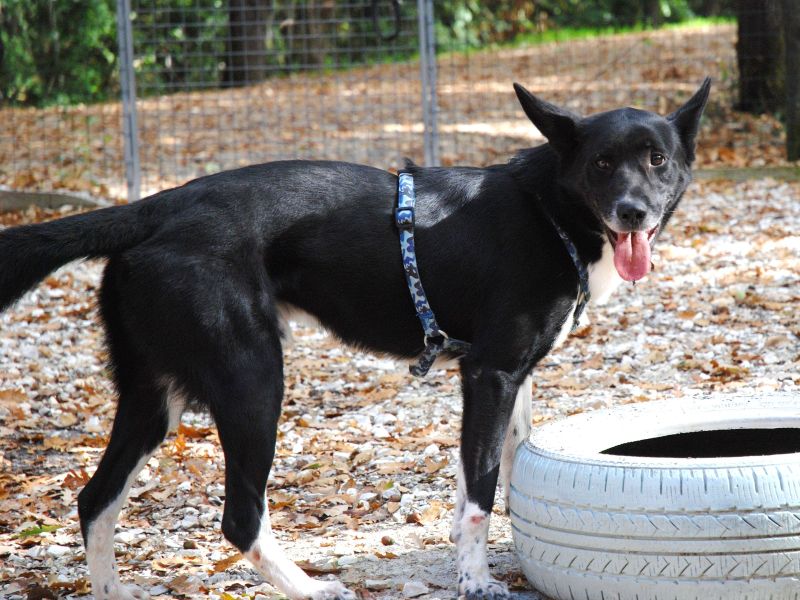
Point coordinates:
[(716, 443)]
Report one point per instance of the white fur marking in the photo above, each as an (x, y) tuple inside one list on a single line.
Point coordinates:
[(603, 276), (518, 428), (100, 549), (269, 559), (566, 327), (461, 499), (100, 543), (473, 564)]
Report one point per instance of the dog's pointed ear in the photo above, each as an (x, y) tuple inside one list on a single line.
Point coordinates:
[(557, 124), (687, 118)]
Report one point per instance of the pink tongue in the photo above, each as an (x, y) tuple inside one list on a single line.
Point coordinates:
[(632, 255)]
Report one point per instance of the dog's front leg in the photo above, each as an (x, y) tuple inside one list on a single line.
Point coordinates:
[(488, 403), (518, 429)]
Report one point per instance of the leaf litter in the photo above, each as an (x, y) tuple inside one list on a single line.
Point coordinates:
[(364, 476)]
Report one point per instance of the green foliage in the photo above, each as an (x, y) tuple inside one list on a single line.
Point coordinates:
[(179, 44), (57, 51), (64, 51), (473, 23), (38, 530)]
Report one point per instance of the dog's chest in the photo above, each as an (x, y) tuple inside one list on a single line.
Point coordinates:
[(603, 276), (603, 280)]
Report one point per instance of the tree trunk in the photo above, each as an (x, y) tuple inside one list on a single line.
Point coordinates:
[(759, 53), (653, 12), (246, 46), (791, 36)]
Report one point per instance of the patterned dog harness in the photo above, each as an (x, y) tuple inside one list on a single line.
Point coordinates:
[(436, 340)]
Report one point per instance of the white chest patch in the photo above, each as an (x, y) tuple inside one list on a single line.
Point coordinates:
[(603, 280), (603, 276), (566, 328)]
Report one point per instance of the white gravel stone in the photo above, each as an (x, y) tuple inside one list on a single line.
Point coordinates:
[(412, 589)]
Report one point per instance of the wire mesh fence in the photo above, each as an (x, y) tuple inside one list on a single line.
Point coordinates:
[(224, 83), (480, 119), (334, 80)]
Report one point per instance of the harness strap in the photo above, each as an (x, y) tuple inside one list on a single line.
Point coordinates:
[(436, 340), (583, 274)]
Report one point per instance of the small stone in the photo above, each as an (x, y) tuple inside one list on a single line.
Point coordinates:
[(387, 541), (431, 450), (341, 549), (57, 551), (391, 495), (189, 545), (379, 431), (377, 584), (189, 522), (412, 589)]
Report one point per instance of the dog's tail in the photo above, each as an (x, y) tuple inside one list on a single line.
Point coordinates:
[(30, 252)]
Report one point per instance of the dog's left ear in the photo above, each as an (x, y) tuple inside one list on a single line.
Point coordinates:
[(687, 118), (557, 124)]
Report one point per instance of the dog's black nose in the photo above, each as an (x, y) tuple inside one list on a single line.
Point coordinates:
[(631, 214)]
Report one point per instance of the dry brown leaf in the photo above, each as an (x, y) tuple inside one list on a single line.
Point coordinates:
[(226, 563), (76, 479), (318, 569)]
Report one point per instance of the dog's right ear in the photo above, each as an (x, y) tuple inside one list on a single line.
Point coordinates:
[(557, 124)]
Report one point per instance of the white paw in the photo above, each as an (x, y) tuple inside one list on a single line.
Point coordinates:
[(330, 590), (118, 591), (486, 588)]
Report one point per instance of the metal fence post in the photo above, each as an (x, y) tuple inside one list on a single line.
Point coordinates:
[(427, 66), (127, 78)]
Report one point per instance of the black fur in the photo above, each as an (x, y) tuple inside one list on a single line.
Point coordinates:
[(196, 275)]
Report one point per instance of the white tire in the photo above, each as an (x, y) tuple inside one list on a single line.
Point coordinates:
[(597, 526)]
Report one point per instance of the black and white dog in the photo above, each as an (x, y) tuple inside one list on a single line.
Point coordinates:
[(200, 279)]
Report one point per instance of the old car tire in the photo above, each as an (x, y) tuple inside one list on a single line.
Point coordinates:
[(718, 519)]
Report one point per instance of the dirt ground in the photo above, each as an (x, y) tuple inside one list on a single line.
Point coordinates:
[(362, 486)]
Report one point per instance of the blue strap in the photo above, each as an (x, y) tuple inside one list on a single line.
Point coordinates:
[(436, 340)]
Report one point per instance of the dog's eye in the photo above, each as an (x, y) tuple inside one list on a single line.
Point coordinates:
[(602, 164), (657, 159)]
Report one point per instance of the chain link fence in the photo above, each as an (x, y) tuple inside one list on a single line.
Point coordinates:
[(215, 84)]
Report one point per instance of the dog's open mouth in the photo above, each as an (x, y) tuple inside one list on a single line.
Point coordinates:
[(632, 252)]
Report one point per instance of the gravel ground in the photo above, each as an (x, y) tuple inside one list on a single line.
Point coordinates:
[(363, 480)]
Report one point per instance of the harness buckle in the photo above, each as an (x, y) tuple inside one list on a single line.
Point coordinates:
[(437, 339), (404, 218)]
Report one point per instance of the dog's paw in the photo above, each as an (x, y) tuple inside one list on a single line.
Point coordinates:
[(118, 591), (331, 590), (487, 589)]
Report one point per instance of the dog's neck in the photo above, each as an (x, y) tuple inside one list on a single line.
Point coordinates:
[(569, 210)]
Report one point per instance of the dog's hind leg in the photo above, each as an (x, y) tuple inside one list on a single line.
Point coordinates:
[(143, 418), (518, 429), (247, 424), (146, 411)]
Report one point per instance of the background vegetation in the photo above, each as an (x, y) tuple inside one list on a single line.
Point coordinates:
[(64, 51)]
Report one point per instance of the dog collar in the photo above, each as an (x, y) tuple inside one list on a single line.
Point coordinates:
[(583, 274), (436, 340)]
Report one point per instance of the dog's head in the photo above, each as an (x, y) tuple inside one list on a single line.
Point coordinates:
[(630, 167)]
